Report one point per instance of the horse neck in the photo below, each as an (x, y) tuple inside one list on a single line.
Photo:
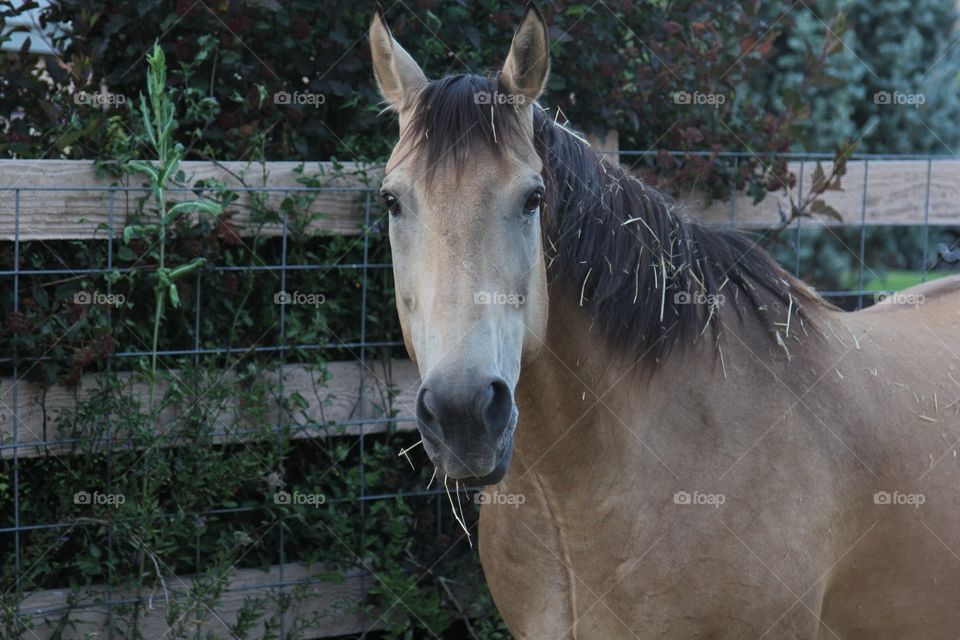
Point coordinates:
[(596, 419), (571, 399)]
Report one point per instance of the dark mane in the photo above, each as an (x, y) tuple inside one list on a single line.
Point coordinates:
[(648, 276)]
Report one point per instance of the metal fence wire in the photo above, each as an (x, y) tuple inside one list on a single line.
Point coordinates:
[(10, 397)]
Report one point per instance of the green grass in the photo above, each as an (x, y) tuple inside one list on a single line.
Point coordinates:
[(897, 279)]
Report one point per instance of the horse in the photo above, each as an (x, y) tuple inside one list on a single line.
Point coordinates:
[(704, 447)]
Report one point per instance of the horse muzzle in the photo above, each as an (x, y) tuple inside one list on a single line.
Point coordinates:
[(467, 425)]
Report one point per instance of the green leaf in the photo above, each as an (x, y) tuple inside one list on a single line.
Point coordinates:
[(819, 178), (204, 206), (136, 229), (822, 208), (187, 268), (143, 167)]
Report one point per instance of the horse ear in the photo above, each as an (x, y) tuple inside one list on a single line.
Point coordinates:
[(528, 63), (398, 76)]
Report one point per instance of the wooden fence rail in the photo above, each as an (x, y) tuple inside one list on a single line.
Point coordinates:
[(331, 399), (328, 606), (60, 199), (67, 200)]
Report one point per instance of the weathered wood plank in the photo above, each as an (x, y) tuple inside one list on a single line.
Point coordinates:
[(896, 195), (896, 192), (388, 389), (330, 607), (49, 210)]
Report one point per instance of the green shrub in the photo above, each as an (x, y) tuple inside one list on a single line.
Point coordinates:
[(903, 47), (618, 64)]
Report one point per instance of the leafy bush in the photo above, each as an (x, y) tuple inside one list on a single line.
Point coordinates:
[(902, 48), (638, 67)]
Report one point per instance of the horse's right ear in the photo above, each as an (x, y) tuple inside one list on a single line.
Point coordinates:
[(398, 75)]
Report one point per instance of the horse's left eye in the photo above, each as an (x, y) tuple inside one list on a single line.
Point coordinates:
[(533, 202)]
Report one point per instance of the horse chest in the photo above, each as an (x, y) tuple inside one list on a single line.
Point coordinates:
[(575, 566)]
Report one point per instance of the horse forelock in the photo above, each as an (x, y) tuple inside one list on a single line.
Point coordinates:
[(458, 115)]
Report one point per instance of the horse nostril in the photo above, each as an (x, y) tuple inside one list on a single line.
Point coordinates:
[(497, 407), (426, 417)]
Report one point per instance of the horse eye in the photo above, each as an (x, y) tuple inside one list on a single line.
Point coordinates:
[(391, 202), (533, 202)]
